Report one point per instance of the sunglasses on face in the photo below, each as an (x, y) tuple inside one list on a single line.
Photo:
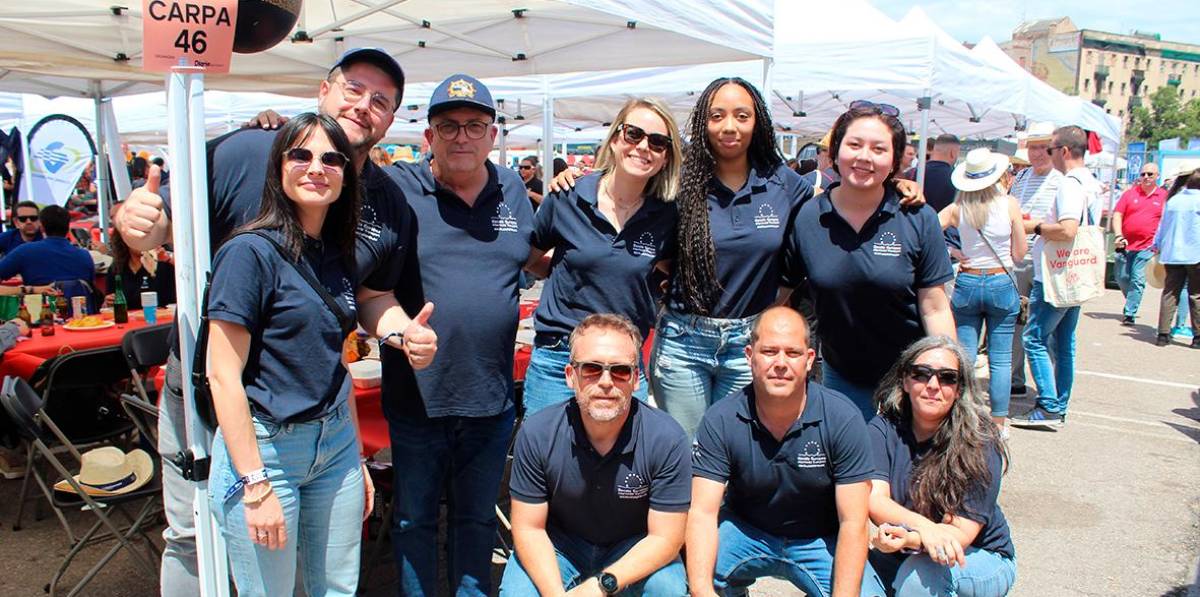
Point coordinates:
[(633, 135), (526, 167), (1147, 175), (448, 130), (619, 372), (887, 109), (27, 218), (301, 157), (923, 373)]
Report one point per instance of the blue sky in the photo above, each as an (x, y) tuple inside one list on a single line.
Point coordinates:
[(970, 20)]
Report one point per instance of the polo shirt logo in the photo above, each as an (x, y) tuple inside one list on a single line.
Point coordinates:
[(766, 217), (348, 293), (811, 456), (368, 224), (644, 246), (504, 221), (887, 245), (633, 487)]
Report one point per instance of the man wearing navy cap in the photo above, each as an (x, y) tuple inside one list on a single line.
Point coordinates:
[(362, 91), (450, 424), (781, 478)]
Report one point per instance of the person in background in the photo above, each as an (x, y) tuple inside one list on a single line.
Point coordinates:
[(52, 259), (140, 271), (27, 227), (380, 156), (1177, 242), (939, 190), (938, 467), (993, 238), (533, 185), (560, 166), (1134, 222), (910, 156), (139, 170)]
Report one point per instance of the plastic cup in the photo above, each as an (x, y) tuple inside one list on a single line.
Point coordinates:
[(150, 307)]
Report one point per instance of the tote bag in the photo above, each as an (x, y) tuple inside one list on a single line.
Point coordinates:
[(1073, 271)]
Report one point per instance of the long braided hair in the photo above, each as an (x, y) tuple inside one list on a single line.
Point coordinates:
[(696, 283)]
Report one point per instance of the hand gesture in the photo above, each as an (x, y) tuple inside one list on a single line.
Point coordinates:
[(563, 182), (942, 546), (420, 341), (267, 119), (910, 193), (890, 538), (143, 210)]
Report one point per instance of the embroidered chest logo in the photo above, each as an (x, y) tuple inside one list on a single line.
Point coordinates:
[(696, 450), (504, 221), (810, 456), (644, 246), (632, 487), (348, 293), (887, 245), (368, 227), (766, 218)]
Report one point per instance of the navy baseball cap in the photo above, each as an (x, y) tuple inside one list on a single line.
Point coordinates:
[(379, 58), (461, 91)]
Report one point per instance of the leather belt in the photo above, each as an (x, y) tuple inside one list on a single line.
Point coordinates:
[(991, 271)]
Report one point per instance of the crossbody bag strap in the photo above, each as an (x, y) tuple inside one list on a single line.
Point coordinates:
[(998, 259), (200, 352), (1087, 212), (343, 318)]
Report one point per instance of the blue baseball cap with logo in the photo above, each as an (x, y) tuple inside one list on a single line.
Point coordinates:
[(461, 91), (379, 58)]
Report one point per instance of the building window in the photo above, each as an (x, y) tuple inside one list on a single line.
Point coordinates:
[(1086, 84), (1091, 57), (1125, 61), (1122, 89), (1137, 61), (1110, 86), (1121, 113)]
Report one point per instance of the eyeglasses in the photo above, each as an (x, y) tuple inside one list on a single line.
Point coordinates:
[(27, 218), (525, 167), (923, 373), (1148, 175), (354, 91), (1050, 150), (448, 129), (619, 372), (887, 109), (301, 157), (633, 135)]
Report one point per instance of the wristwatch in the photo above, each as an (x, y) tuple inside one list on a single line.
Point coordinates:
[(608, 583), (1037, 229)]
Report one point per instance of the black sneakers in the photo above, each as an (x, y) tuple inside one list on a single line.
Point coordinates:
[(1164, 339), (1127, 321)]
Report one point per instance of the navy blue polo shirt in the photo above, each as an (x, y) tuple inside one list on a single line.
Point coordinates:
[(52, 259), (596, 269), (748, 228), (469, 259), (294, 370), (11, 239), (785, 488), (602, 499), (864, 284), (896, 452)]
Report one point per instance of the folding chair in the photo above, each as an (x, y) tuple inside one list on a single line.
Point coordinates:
[(144, 349), (27, 410)]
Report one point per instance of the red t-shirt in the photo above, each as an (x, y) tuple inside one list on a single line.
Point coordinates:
[(1140, 215)]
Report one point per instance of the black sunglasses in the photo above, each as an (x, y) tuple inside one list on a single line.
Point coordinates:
[(27, 218), (329, 159), (634, 134), (923, 373), (1147, 175), (526, 167), (887, 109), (619, 372)]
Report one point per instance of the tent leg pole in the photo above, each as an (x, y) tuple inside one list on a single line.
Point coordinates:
[(103, 198), (923, 104), (547, 134)]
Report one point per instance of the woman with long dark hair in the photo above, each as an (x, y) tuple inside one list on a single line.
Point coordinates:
[(875, 270), (286, 479), (938, 464), (140, 271)]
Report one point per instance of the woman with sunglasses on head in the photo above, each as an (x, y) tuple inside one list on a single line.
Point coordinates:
[(875, 271), (286, 477), (609, 235), (938, 465)]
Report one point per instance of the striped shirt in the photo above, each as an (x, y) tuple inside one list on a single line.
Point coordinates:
[(1035, 194)]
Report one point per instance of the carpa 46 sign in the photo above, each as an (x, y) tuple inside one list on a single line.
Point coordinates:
[(197, 33)]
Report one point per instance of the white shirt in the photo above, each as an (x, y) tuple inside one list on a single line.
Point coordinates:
[(1078, 189)]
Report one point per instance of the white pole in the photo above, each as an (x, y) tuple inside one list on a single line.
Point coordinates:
[(189, 180), (503, 142), (923, 104), (547, 134), (768, 81), (1112, 183), (103, 200)]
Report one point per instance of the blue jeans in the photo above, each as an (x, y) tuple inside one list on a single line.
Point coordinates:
[(1046, 322), (314, 469), (546, 382), (987, 574), (992, 299), (178, 575), (862, 396), (1129, 268), (466, 456), (696, 361), (579, 560), (747, 553)]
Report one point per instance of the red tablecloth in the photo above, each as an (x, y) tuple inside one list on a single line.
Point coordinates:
[(22, 359)]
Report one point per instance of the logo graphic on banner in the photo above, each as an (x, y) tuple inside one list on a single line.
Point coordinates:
[(59, 150), (188, 33)]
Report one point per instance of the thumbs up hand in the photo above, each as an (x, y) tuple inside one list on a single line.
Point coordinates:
[(142, 215), (420, 341)]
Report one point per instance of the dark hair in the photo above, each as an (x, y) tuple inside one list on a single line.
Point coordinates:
[(158, 161), (559, 165), (606, 321), (1073, 138), (806, 166), (842, 124), (698, 288), (946, 138), (118, 250), (278, 212), (138, 167), (55, 220), (532, 159), (28, 204)]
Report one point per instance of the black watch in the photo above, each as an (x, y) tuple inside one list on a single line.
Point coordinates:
[(608, 583), (1037, 229)]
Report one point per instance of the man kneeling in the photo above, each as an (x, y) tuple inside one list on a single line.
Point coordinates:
[(600, 484), (791, 460)]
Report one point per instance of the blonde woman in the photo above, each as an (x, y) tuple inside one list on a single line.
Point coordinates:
[(609, 234), (993, 238)]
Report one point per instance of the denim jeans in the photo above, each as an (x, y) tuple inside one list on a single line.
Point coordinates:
[(987, 574), (746, 553), (546, 382), (1129, 268), (579, 560), (1181, 315), (696, 361), (992, 299), (1046, 322), (178, 575), (314, 470), (464, 455), (862, 396)]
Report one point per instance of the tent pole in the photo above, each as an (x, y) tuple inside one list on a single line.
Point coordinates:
[(923, 104), (103, 198), (768, 81), (503, 142), (547, 134), (1112, 182)]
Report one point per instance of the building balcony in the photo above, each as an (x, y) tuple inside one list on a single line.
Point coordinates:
[(1174, 79), (1101, 71), (1100, 101)]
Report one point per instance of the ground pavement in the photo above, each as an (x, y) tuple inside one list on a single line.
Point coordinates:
[(1110, 505)]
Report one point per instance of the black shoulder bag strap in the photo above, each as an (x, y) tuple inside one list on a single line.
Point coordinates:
[(344, 319)]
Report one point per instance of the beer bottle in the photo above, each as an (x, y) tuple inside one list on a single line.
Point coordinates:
[(64, 307), (120, 307), (23, 312), (48, 316)]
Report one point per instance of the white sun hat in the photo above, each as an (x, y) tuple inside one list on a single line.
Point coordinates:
[(981, 169)]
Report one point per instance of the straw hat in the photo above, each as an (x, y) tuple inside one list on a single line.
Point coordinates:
[(1184, 167), (980, 170), (1156, 273), (1039, 131), (1021, 157), (110, 471)]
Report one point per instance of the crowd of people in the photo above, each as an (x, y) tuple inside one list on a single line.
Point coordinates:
[(733, 453)]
